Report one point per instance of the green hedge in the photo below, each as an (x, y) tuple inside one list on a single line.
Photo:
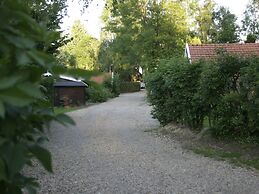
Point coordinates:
[(231, 92), (225, 92), (126, 87), (98, 93), (172, 89), (102, 92), (113, 85)]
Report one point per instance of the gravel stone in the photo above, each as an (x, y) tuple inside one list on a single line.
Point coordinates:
[(108, 151)]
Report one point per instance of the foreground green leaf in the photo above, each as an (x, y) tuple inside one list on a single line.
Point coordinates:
[(64, 119), (43, 155)]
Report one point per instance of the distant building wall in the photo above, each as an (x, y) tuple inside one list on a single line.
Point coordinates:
[(100, 78)]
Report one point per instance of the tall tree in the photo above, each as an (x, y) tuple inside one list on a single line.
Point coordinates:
[(49, 13), (204, 20), (82, 47), (165, 30), (225, 29), (192, 9), (146, 31), (251, 19)]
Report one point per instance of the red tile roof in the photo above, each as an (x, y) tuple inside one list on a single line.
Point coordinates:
[(209, 51)]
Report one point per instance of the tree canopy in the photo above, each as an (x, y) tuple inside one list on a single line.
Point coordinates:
[(204, 20), (81, 50), (251, 19), (145, 31), (224, 29), (140, 33)]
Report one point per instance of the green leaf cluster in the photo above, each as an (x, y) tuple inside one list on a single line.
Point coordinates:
[(25, 110), (204, 19)]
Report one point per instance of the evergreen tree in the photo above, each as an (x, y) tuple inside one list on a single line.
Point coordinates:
[(225, 29)]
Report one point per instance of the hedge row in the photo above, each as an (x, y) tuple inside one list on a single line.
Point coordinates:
[(129, 87), (113, 85), (225, 92), (98, 93), (102, 92)]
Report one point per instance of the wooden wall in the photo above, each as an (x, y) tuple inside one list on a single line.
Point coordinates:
[(69, 96)]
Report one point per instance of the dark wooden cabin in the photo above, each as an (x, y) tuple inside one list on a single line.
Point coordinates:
[(69, 92)]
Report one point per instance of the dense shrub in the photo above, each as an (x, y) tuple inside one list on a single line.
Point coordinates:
[(224, 90), (173, 92), (129, 87), (229, 87), (98, 93), (113, 85)]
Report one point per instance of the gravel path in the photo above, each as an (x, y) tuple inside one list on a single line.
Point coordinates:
[(110, 152)]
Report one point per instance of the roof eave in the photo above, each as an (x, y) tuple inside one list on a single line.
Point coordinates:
[(187, 53)]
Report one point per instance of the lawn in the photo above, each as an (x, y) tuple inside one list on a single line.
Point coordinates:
[(233, 157), (241, 152)]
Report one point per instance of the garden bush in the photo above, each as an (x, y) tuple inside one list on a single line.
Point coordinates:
[(229, 87), (113, 84), (98, 93), (224, 91), (173, 92), (129, 87)]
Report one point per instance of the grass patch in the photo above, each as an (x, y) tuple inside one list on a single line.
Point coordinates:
[(213, 153), (233, 157), (62, 110), (252, 163), (151, 130), (243, 152)]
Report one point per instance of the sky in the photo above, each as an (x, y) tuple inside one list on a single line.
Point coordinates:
[(93, 24), (90, 17), (235, 6)]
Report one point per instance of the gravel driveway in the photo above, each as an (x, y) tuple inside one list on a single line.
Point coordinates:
[(110, 152)]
